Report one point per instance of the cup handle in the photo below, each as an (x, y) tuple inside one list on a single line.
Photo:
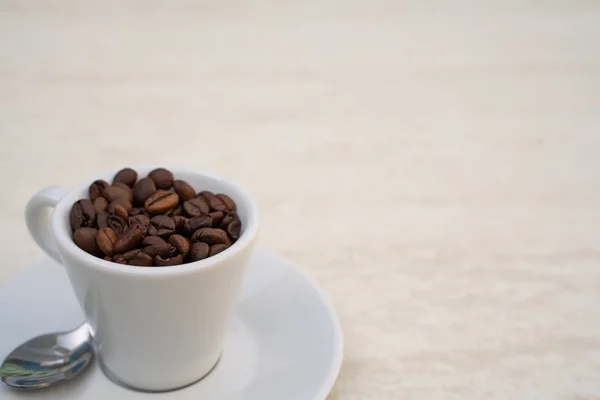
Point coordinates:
[(37, 218)]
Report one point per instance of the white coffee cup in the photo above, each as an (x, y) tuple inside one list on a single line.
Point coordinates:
[(155, 328)]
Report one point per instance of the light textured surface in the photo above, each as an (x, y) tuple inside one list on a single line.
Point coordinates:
[(434, 167)]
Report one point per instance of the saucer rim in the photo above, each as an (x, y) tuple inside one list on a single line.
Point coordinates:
[(338, 356)]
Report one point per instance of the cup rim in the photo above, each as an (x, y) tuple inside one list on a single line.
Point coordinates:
[(65, 241)]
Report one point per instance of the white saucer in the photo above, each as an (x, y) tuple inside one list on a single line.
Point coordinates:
[(285, 341)]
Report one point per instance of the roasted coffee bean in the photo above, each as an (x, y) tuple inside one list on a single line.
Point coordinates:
[(175, 211), (129, 240), (198, 251), (143, 189), (100, 204), (105, 239), (206, 194), (134, 257), (195, 223), (126, 204), (229, 203), (164, 250), (214, 202), (137, 211), (234, 228), (97, 189), (125, 188), (119, 259), (161, 201), (117, 224), (217, 217), (162, 177), (115, 192), (179, 223), (162, 262), (138, 258), (162, 226), (83, 214), (181, 244), (151, 240), (126, 176), (196, 206), (102, 220), (140, 220), (210, 236), (229, 217), (85, 239), (120, 211), (184, 190), (216, 249)]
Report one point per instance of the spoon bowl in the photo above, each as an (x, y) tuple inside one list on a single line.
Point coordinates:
[(48, 359)]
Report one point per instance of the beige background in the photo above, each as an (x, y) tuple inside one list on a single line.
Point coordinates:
[(434, 166)]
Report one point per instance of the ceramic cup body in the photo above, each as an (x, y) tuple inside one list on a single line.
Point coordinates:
[(155, 328)]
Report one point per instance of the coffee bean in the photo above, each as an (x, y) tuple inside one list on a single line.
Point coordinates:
[(138, 258), (234, 228), (164, 250), (161, 225), (206, 194), (134, 257), (198, 251), (179, 223), (125, 188), (162, 177), (97, 189), (102, 220), (142, 259), (217, 217), (114, 192), (210, 236), (196, 206), (162, 262), (126, 204), (142, 221), (229, 217), (105, 239), (137, 211), (130, 239), (229, 203), (117, 224), (214, 202), (143, 189), (126, 176), (85, 239), (216, 249), (151, 240), (195, 223), (184, 190), (119, 259), (181, 244), (175, 211), (100, 204), (120, 211), (83, 214), (161, 201)]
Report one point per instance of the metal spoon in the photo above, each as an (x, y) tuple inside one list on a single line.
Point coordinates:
[(48, 359)]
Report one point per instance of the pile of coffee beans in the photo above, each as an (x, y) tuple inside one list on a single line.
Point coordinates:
[(154, 221)]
